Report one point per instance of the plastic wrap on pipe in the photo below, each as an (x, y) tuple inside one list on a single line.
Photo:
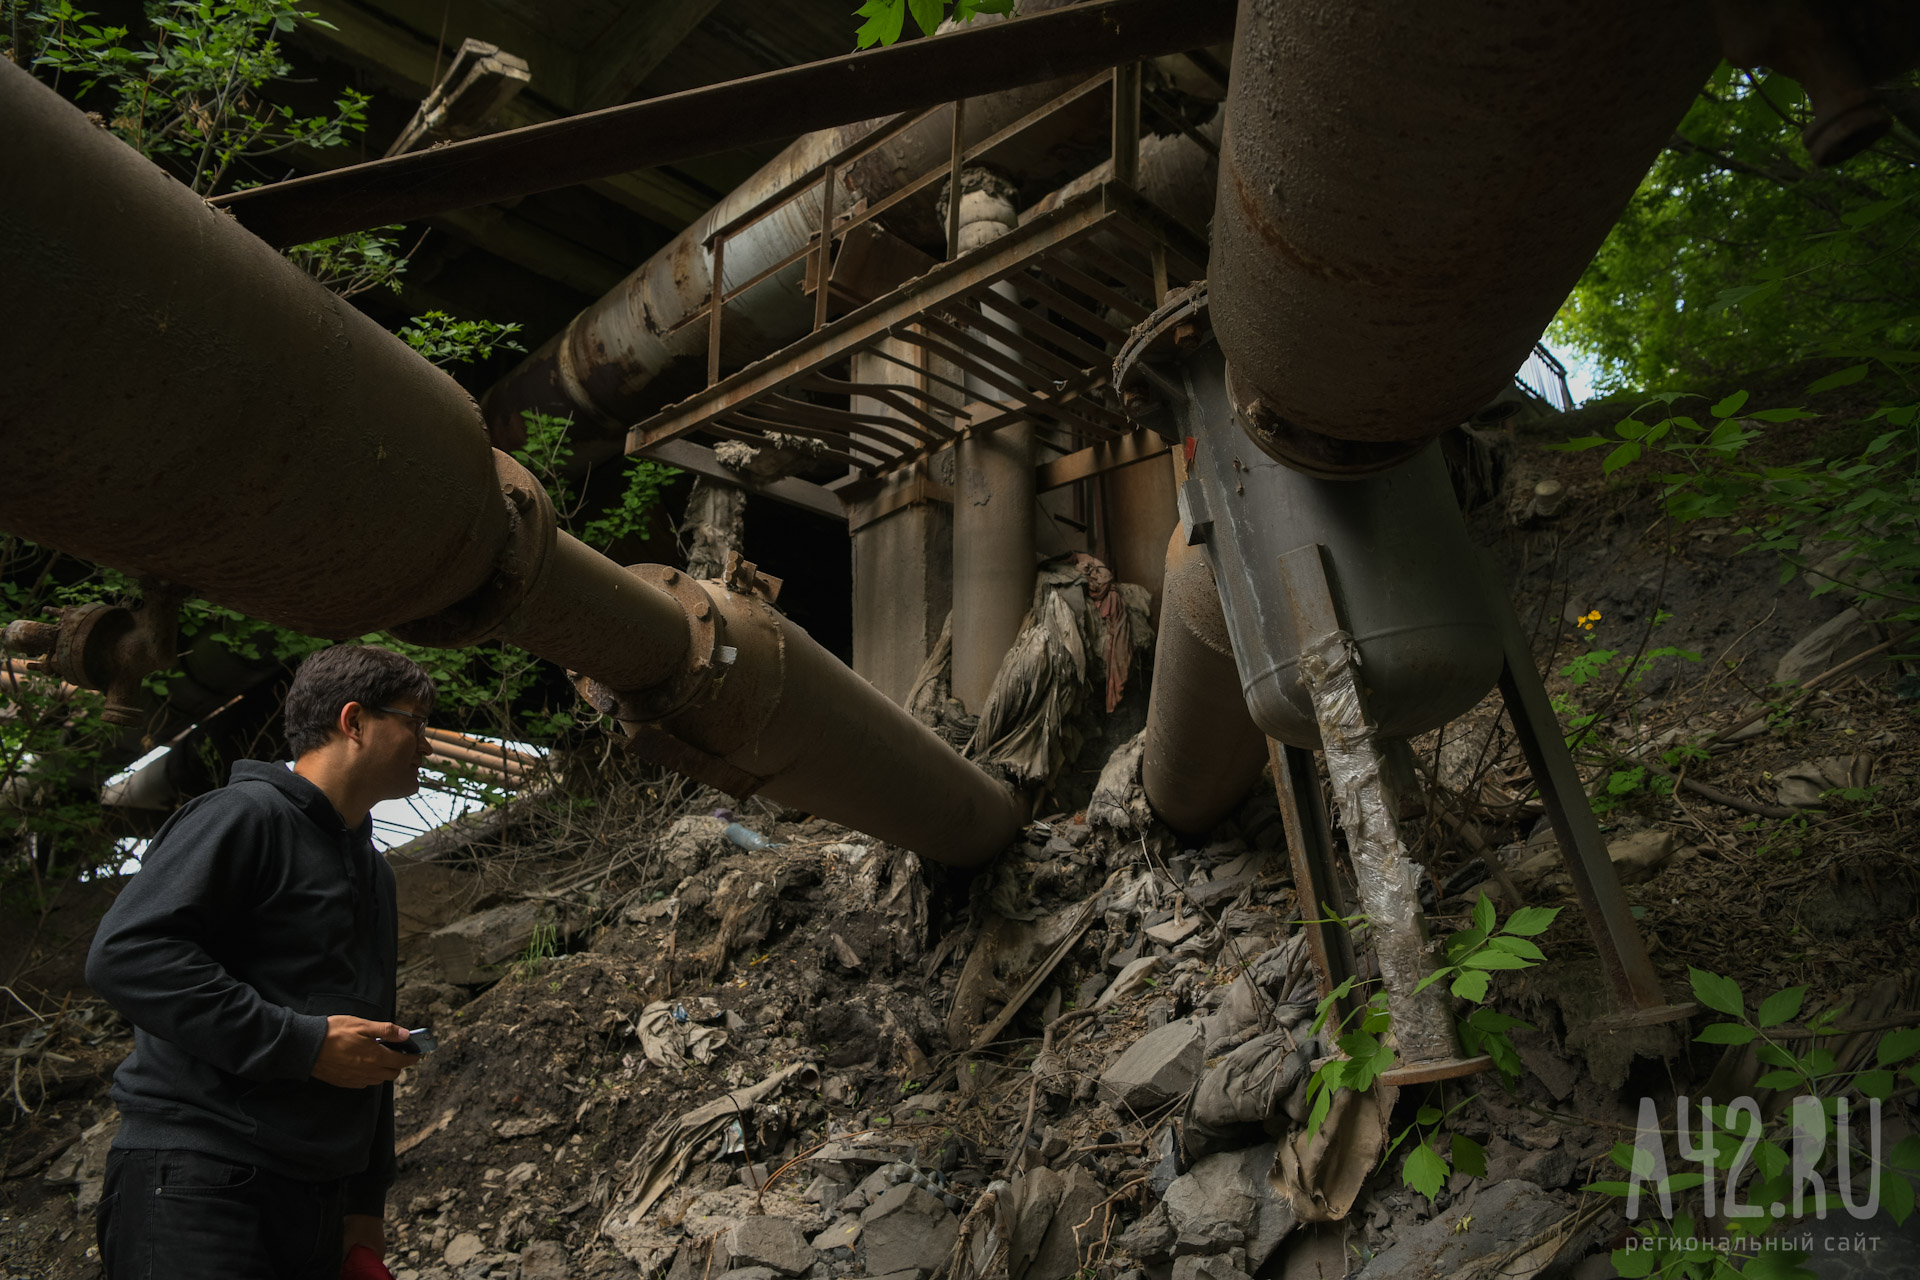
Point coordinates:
[(1387, 878)]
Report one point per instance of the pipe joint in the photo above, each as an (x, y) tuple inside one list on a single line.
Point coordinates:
[(705, 654), (532, 528), (107, 647), (1310, 452)]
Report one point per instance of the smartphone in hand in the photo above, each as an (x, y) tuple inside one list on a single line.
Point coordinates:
[(419, 1040)]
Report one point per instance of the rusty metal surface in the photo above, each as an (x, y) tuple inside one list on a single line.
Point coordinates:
[(159, 331), (188, 403), (1202, 754), (986, 59), (1623, 952), (1303, 813), (1407, 194)]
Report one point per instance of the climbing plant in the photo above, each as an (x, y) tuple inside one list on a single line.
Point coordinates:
[(885, 20)]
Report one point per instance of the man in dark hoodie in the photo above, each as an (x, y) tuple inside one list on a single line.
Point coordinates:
[(254, 955)]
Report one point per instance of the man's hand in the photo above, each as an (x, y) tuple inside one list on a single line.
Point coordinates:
[(349, 1057)]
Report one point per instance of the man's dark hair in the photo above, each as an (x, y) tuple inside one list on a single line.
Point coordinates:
[(331, 678)]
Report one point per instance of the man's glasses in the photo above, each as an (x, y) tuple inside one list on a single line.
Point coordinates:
[(419, 721)]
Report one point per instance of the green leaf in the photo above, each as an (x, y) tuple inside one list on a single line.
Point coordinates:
[(1875, 1084), (1519, 947), (1781, 415), (1483, 915), (1773, 1055), (1530, 922), (1469, 1157), (1730, 406), (1906, 1153), (1780, 1079), (1725, 1033), (1620, 457), (1428, 1116), (1716, 992), (1491, 959), (1620, 1189), (1780, 1006), (1897, 1046), (927, 14), (1471, 986), (1841, 378), (1636, 1264), (1896, 1198), (1424, 1171)]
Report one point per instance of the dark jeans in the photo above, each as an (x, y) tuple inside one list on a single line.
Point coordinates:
[(180, 1215)]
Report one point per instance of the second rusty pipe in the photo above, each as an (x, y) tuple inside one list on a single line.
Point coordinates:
[(1203, 753)]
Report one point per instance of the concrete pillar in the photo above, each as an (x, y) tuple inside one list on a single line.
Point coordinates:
[(1137, 503), (993, 560), (903, 560)]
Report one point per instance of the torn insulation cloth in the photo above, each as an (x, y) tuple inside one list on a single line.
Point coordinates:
[(670, 1037), (1107, 601), (1119, 798), (1034, 717), (1387, 877)]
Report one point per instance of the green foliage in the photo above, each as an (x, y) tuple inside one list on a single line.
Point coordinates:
[(1473, 956), (548, 452), (445, 341), (189, 98), (1853, 519), (1737, 253), (1757, 1161), (886, 19)]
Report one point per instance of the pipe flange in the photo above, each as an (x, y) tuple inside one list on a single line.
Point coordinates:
[(1177, 328), (1310, 452), (532, 528), (704, 651), (84, 644)]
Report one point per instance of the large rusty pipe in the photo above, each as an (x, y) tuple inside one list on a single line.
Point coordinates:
[(1408, 192), (187, 403), (637, 348), (1203, 753)]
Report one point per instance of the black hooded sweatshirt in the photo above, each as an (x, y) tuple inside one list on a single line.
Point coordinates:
[(256, 913)]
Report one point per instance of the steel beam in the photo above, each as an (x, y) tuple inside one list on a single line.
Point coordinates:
[(906, 77)]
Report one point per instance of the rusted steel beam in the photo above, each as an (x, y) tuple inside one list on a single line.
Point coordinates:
[(1108, 455), (987, 59), (791, 490), (859, 328)]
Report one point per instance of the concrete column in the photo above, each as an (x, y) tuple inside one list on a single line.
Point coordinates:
[(993, 562), (902, 561)]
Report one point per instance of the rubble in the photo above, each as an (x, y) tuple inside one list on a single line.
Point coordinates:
[(1159, 1067)]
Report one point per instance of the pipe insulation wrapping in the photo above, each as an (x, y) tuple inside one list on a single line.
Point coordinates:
[(1388, 880)]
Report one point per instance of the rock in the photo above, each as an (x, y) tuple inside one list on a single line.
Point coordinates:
[(1090, 990), (543, 1260), (1495, 1221), (1802, 785), (1151, 1238), (1826, 646), (1639, 855), (1212, 893), (477, 948), (1027, 1208), (766, 1241), (465, 1248), (1232, 1187), (1067, 1245), (825, 1192), (1174, 932), (844, 1234), (1205, 1268), (1130, 979), (750, 1273), (907, 1229), (1161, 1066)]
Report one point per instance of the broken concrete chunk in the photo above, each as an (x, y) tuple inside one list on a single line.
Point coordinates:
[(771, 1242), (1151, 1238), (1174, 932), (465, 1248), (544, 1260), (1232, 1187), (1129, 980), (477, 948), (1639, 855), (844, 1234), (906, 1229), (750, 1273), (1027, 1209), (1210, 894), (1500, 1218), (1161, 1066)]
